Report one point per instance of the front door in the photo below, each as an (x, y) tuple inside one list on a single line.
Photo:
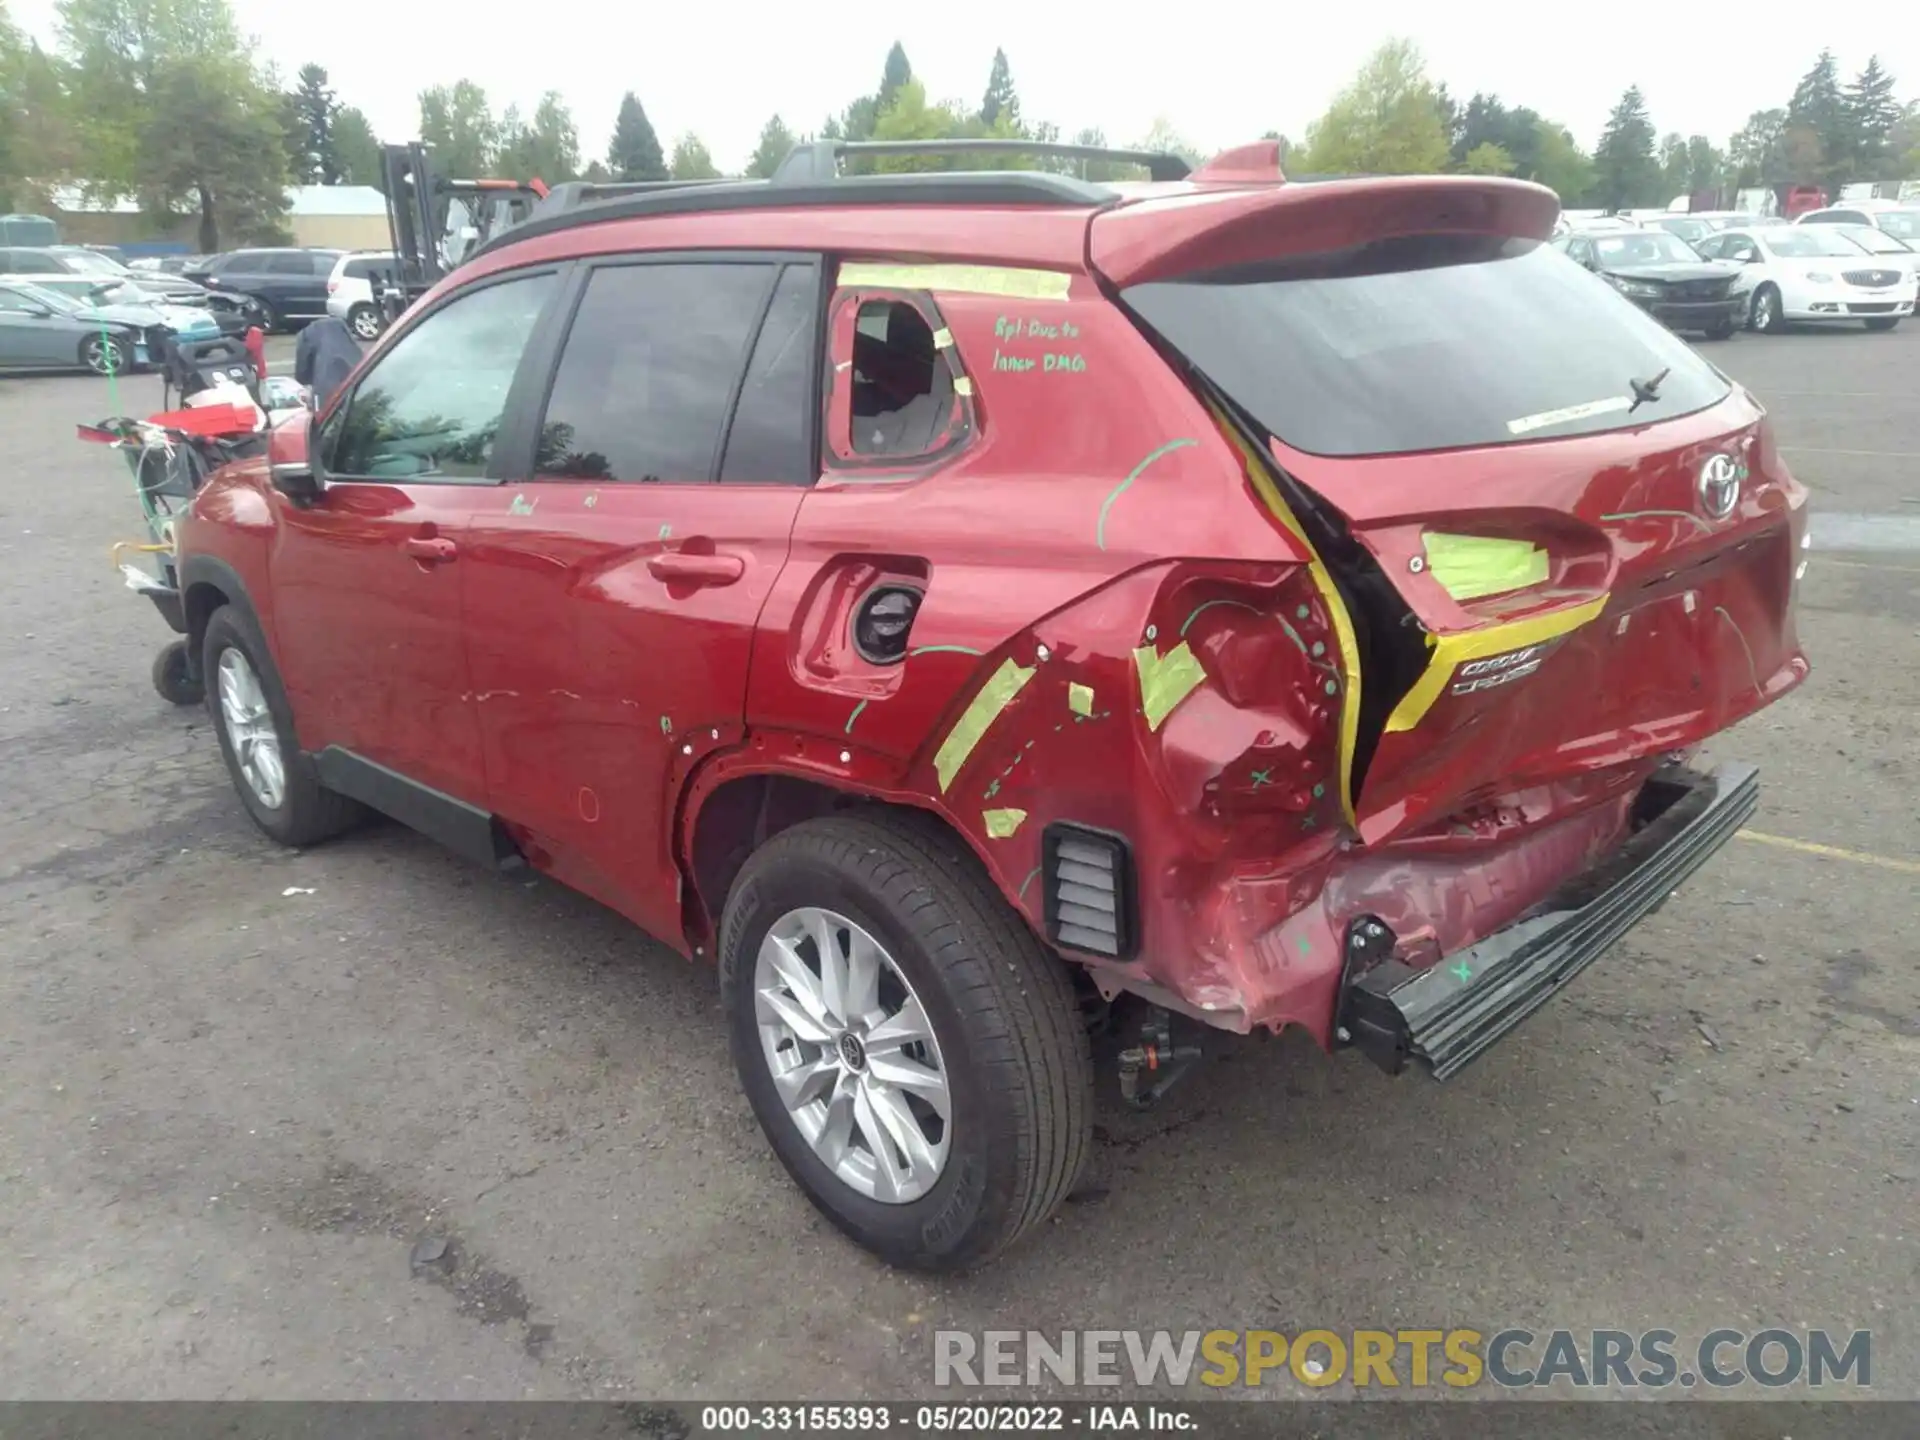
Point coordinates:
[(34, 333), (611, 598), (367, 578)]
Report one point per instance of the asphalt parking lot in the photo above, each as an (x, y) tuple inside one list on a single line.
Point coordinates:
[(242, 1083)]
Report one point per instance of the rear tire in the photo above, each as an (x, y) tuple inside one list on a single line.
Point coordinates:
[(270, 321), (274, 779), (1006, 1036), (1764, 317), (1884, 322), (365, 322)]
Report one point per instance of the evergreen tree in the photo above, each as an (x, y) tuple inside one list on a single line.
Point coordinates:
[(635, 153), (1625, 172), (355, 147), (1872, 112), (776, 143), (1000, 99), (1819, 109), (691, 160), (317, 161), (897, 73)]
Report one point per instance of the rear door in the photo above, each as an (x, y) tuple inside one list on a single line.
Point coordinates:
[(296, 282), (1575, 540), (612, 589)]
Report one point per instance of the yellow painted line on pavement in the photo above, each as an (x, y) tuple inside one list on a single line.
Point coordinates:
[(1834, 852)]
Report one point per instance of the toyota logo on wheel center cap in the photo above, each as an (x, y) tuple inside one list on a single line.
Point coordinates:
[(852, 1053), (1719, 486)]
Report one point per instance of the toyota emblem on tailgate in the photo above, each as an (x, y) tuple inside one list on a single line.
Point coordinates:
[(1720, 486)]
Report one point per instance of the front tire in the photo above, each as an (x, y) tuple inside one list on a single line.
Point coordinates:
[(1884, 322), (874, 979), (270, 321), (104, 355), (1765, 317), (365, 322), (274, 779)]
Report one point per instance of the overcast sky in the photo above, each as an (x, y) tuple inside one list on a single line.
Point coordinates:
[(1221, 73)]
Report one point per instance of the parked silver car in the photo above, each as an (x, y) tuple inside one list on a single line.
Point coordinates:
[(44, 329)]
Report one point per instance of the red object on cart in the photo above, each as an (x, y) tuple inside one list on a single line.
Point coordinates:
[(211, 422), (256, 343)]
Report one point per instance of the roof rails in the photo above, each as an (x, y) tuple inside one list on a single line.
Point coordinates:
[(820, 160)]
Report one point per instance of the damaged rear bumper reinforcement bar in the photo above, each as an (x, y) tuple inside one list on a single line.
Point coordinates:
[(1447, 1014)]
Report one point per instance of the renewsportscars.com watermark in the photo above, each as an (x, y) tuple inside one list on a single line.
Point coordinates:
[(1413, 1359)]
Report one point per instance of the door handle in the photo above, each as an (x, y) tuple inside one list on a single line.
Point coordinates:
[(678, 565), (430, 551)]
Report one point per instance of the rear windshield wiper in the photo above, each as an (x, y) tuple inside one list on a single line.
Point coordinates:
[(1647, 391)]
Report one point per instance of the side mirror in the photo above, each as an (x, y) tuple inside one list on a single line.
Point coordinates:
[(290, 466)]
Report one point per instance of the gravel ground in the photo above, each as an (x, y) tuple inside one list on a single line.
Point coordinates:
[(232, 1106)]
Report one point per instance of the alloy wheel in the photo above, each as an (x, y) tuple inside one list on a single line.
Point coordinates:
[(366, 324), (251, 733), (853, 1055), (102, 356)]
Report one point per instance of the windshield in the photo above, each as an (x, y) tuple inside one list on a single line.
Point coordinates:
[(1426, 342), (1875, 241), (1649, 247), (52, 299), (94, 263), (1686, 229), (1803, 242), (1901, 224)]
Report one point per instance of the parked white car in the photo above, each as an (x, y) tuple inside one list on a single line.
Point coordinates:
[(1814, 273), (1902, 221), (1883, 245), (350, 294)]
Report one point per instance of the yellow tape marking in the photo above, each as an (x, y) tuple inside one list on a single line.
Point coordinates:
[(1322, 578), (994, 696), (962, 385), (959, 279), (1166, 680), (1470, 566), (1834, 852), (1002, 823), (1080, 698), (1451, 651), (942, 338)]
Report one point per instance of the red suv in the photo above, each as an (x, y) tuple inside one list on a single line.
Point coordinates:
[(955, 602)]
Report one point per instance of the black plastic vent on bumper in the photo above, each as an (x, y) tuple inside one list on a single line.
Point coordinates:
[(1448, 1014), (1088, 876)]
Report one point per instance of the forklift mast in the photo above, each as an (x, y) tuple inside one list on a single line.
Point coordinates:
[(435, 222)]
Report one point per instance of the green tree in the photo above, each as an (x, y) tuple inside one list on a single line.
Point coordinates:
[(1451, 117), (459, 124), (355, 148), (316, 158), (547, 148), (635, 152), (1387, 121), (596, 172), (1904, 143), (1819, 109), (120, 50), (908, 116), (1756, 154), (1487, 158), (1162, 139), (202, 143), (1486, 121), (1559, 163), (776, 143), (896, 73), (1101, 171), (1872, 112), (1706, 166), (1625, 172), (1674, 167), (691, 160), (1000, 98), (39, 146)]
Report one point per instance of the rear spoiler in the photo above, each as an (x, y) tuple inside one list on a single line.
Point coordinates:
[(1185, 234)]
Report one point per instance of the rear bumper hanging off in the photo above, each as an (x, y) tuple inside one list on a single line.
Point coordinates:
[(1447, 1014)]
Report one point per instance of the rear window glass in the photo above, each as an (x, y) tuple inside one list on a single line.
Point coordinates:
[(1426, 342)]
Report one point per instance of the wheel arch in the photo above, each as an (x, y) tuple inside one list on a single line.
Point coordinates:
[(207, 583), (738, 802)]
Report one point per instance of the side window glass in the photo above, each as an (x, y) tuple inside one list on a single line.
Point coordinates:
[(293, 262), (767, 442), (431, 407), (647, 371), (902, 388), (14, 300)]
